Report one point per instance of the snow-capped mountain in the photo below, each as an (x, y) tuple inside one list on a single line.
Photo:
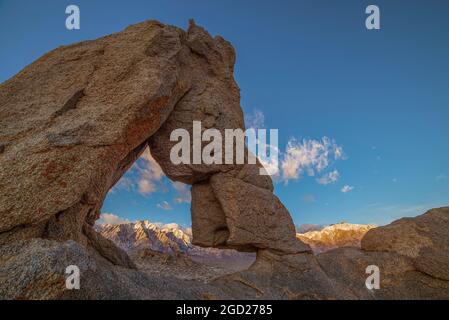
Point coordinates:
[(172, 239), (147, 235), (335, 236), (169, 239)]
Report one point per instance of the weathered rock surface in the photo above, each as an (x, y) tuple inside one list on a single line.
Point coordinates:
[(255, 216), (209, 227), (415, 272), (213, 98), (74, 120), (222, 217), (288, 276), (424, 239), (35, 269), (399, 278)]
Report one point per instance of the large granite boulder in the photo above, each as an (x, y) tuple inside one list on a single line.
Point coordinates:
[(410, 254), (423, 239), (75, 120)]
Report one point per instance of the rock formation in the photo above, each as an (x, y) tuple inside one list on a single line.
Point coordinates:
[(75, 120), (411, 254), (424, 240)]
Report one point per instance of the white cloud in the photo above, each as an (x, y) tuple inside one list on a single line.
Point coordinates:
[(309, 156), (347, 189), (124, 183), (329, 178), (164, 205), (184, 195), (109, 218), (149, 175), (338, 152), (146, 186), (255, 120), (269, 162)]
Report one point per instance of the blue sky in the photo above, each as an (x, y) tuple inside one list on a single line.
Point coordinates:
[(313, 70)]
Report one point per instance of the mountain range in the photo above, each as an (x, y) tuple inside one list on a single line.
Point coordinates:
[(172, 239), (144, 238), (334, 236)]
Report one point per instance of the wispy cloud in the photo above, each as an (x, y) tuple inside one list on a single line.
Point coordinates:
[(309, 156), (271, 164), (149, 174), (329, 178), (146, 186), (164, 205), (347, 188), (255, 120), (109, 218), (184, 195), (441, 177), (124, 183)]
